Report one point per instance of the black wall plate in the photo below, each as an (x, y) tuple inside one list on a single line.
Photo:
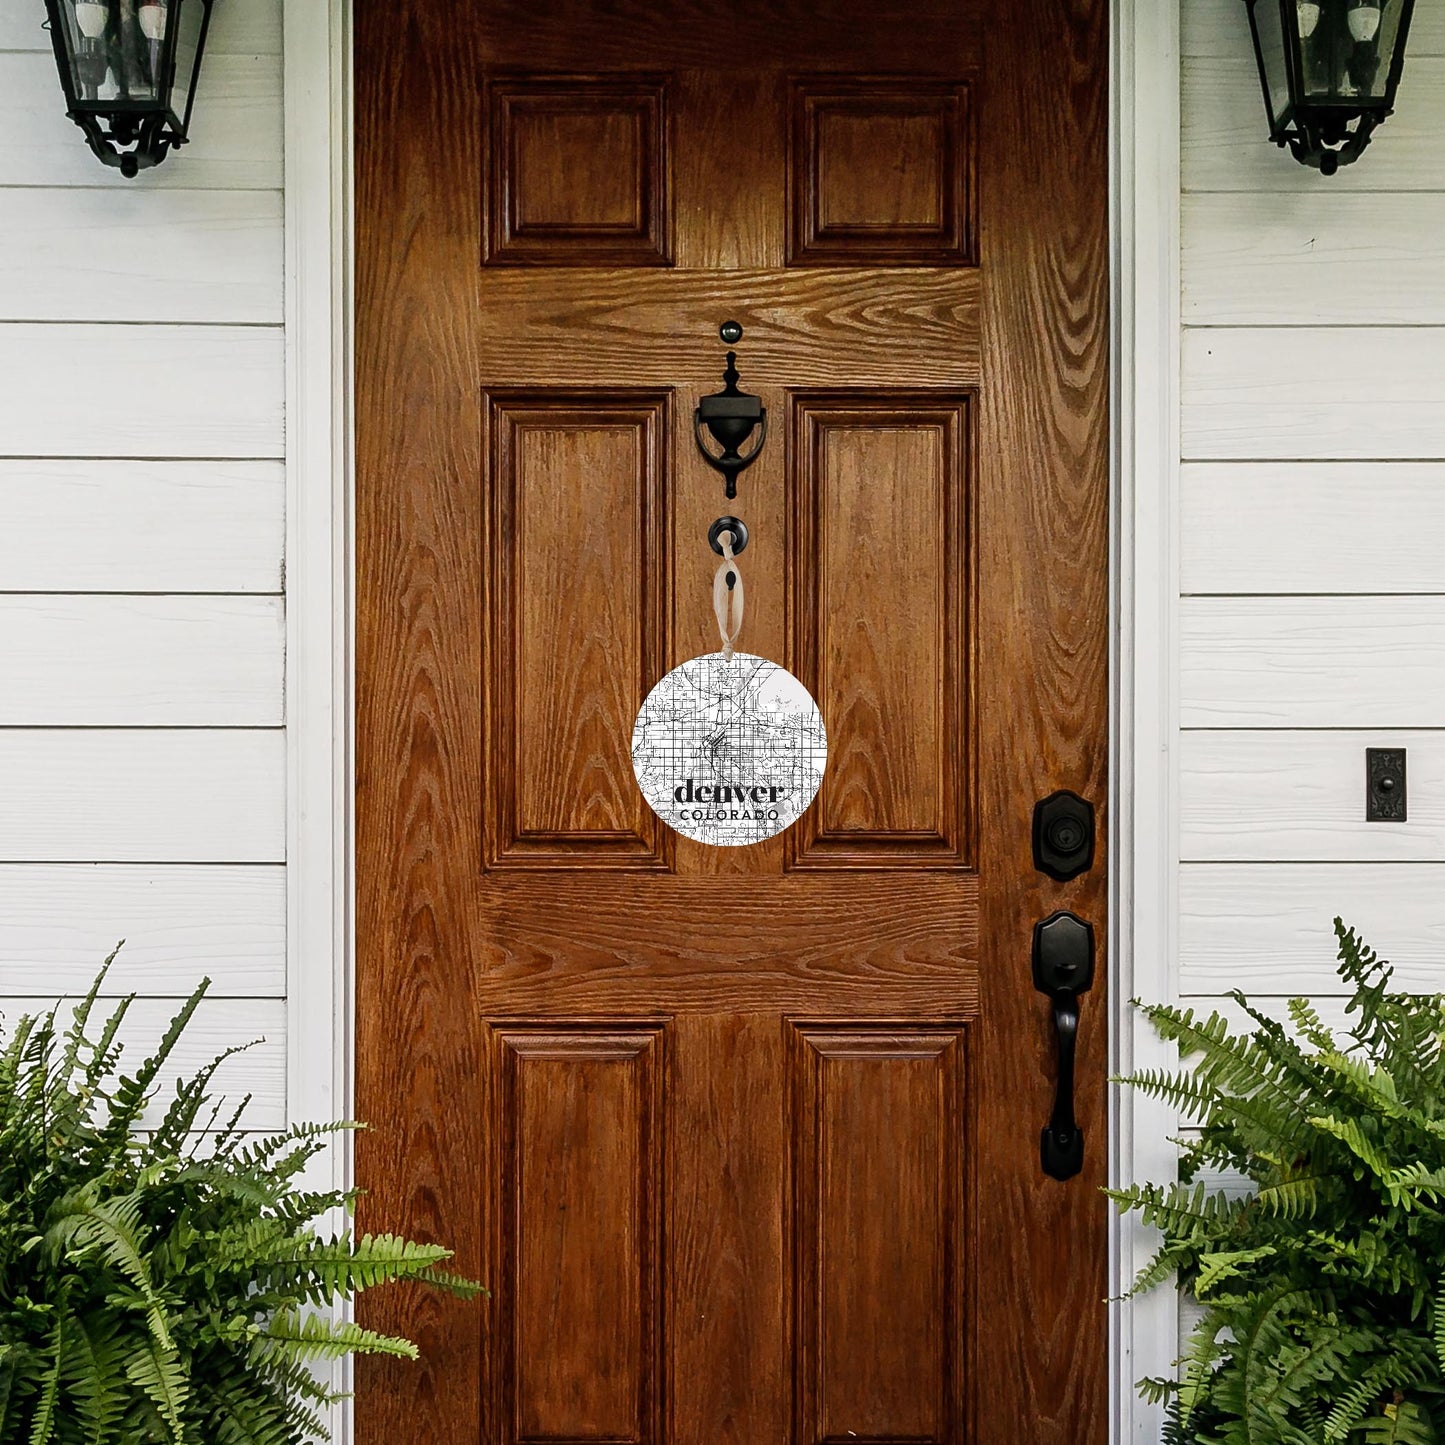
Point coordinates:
[(1385, 800)]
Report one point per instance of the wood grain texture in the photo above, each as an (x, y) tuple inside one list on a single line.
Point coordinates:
[(879, 1114), (730, 1359), (1300, 797), (218, 1024), (1268, 260), (882, 624), (578, 171), (880, 172), (84, 661), (1267, 929), (1312, 662), (1221, 28), (91, 795), (904, 942), (559, 759), (445, 944), (1042, 685), (1293, 393), (1225, 144), (75, 254), (235, 139), (420, 591), (804, 328), (1326, 527), (892, 38), (188, 526), (180, 924), (224, 391), (579, 1220)]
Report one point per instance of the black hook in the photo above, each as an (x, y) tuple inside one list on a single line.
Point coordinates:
[(731, 416), (736, 526)]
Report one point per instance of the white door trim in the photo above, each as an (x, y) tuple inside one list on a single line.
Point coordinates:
[(318, 561), (1144, 850), (1144, 218), (319, 774)]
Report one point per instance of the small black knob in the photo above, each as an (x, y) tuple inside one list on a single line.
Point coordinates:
[(730, 332)]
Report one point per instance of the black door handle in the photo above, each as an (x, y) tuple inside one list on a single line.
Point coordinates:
[(1063, 969)]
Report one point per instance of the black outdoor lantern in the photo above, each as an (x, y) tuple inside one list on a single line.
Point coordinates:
[(1330, 69), (129, 68)]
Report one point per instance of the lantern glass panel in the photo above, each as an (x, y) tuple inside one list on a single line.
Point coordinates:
[(190, 25), (1268, 19), (1345, 57), (115, 62), (133, 54)]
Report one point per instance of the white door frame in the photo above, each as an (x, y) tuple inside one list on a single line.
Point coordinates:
[(1144, 845), (1144, 224)]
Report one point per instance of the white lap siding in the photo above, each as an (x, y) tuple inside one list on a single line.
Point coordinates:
[(142, 518), (1312, 537), (1311, 621)]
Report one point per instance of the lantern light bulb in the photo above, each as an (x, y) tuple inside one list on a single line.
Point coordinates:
[(1364, 22), (91, 16), (153, 19), (1309, 16)]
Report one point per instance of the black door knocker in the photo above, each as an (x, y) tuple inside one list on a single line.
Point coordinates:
[(731, 416)]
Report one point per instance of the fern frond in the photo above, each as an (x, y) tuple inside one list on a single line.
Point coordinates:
[(1177, 1208), (313, 1337), (180, 1118), (158, 1372), (1352, 1136), (1310, 1025), (94, 1373), (1227, 1264), (114, 1228), (132, 1094), (1292, 1199), (42, 1425), (1183, 1091), (1402, 1423)]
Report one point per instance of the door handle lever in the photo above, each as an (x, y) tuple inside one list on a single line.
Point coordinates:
[(1063, 963)]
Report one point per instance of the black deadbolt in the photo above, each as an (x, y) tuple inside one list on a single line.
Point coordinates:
[(1063, 835)]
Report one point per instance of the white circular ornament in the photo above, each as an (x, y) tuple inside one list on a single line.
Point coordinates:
[(729, 749)]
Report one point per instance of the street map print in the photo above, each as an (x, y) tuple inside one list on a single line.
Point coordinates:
[(729, 750)]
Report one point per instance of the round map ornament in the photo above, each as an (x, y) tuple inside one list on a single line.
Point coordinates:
[(729, 749)]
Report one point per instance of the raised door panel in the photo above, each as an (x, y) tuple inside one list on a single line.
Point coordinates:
[(576, 519), (880, 173), (578, 172), (879, 581), (879, 1233), (576, 1339)]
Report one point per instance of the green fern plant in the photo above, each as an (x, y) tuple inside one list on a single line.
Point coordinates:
[(1322, 1284), (164, 1282)]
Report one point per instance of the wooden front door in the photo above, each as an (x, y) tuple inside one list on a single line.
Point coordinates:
[(745, 1142)]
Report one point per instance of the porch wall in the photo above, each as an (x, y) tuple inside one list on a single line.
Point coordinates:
[(1312, 527), (142, 517)]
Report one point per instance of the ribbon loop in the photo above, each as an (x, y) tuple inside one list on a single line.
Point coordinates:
[(727, 595)]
